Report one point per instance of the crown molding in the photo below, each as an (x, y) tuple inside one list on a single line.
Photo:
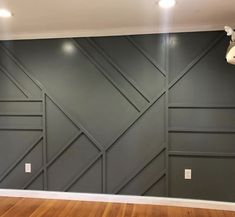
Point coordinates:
[(108, 32)]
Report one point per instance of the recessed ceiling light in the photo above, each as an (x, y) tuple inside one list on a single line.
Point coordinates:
[(166, 3), (5, 13)]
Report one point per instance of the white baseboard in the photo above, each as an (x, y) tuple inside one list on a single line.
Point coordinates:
[(205, 204)]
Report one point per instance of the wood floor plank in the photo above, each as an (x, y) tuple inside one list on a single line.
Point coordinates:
[(139, 210), (74, 209), (6, 204), (228, 214), (158, 211), (97, 210), (43, 208), (22, 207), (85, 209), (113, 210)]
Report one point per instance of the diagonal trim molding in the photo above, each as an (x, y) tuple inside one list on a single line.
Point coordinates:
[(139, 169), (122, 72), (16, 83), (147, 56), (196, 60), (104, 73)]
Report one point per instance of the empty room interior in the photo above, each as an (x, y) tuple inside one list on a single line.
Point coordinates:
[(117, 108)]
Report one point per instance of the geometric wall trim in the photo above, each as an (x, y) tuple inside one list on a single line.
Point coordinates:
[(118, 115)]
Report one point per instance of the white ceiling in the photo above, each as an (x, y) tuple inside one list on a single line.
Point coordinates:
[(70, 18)]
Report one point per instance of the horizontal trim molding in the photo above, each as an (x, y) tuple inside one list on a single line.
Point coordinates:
[(204, 204), (21, 114), (201, 154), (21, 128), (200, 130), (192, 106), (20, 100)]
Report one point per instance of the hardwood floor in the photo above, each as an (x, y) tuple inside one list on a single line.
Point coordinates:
[(24, 207)]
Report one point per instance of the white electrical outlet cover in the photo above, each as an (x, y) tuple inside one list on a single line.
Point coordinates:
[(28, 168), (187, 174)]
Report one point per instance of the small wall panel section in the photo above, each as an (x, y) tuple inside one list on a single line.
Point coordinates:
[(210, 178)]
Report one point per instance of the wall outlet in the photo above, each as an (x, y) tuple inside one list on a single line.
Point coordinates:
[(27, 168), (187, 174)]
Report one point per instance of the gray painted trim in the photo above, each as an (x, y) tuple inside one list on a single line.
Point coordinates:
[(167, 56), (44, 155), (60, 152), (196, 60), (143, 165), (147, 56), (27, 184), (191, 106), (21, 114), (104, 173), (202, 154), (132, 122), (123, 73), (200, 130), (104, 73), (23, 68), (22, 128), (56, 156), (77, 177), (16, 83), (20, 100), (77, 125), (153, 182)]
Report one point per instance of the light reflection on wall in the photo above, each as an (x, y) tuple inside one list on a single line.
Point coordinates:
[(173, 41), (68, 48)]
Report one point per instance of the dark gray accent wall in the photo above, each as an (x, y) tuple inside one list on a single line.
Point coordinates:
[(122, 115)]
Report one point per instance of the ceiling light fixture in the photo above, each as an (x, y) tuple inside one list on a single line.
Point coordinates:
[(166, 3), (5, 13)]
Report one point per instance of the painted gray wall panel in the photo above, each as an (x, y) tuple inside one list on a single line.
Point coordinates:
[(107, 115), (202, 142), (77, 84), (156, 52), (9, 121), (140, 142), (185, 47), (73, 161), (21, 107), (37, 184), (157, 189), (133, 63), (17, 178), (202, 118), (210, 81), (12, 145), (8, 89), (144, 180), (85, 185), (60, 130), (12, 68), (111, 72), (207, 173)]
